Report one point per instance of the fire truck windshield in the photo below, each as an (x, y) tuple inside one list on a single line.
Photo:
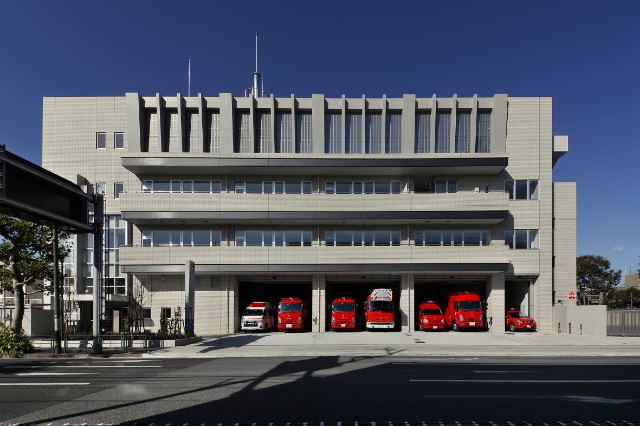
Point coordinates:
[(381, 305), (253, 312), (470, 306), (289, 307), (343, 307), (431, 312)]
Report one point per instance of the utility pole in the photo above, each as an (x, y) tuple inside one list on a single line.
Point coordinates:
[(57, 345), (97, 266)]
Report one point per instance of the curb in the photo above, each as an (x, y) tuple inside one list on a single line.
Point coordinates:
[(80, 356)]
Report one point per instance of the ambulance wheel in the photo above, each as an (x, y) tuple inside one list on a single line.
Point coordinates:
[(454, 326), (512, 327)]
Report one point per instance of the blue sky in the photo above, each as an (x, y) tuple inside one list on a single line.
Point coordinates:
[(584, 54)]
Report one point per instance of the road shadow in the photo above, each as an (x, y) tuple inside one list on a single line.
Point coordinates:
[(228, 341)]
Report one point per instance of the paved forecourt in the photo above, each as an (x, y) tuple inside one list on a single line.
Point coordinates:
[(404, 344)]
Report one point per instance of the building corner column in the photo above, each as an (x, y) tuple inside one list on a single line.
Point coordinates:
[(318, 308), (407, 314), (232, 290), (496, 302)]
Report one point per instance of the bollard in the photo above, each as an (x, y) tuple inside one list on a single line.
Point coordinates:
[(558, 328), (569, 328), (581, 329)]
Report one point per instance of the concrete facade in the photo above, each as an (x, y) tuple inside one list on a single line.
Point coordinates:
[(176, 140)]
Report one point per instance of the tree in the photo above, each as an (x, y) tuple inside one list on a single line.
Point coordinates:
[(623, 298), (594, 275), (26, 250)]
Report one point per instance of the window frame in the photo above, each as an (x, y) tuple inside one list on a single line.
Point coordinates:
[(510, 187), (115, 140), (116, 193), (98, 134), (530, 232)]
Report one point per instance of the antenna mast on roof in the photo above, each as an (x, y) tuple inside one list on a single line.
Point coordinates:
[(189, 80), (256, 75)]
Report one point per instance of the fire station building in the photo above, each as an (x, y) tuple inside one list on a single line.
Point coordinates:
[(315, 198)]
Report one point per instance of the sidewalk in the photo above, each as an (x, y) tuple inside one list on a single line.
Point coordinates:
[(278, 344)]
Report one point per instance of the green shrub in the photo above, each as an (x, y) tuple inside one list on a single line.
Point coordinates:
[(13, 345)]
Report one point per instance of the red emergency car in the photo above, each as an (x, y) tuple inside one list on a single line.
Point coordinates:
[(430, 316), (517, 320), (293, 314), (343, 313), (464, 310)]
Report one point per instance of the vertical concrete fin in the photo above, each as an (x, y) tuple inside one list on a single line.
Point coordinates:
[(317, 120), (498, 136), (432, 127), (135, 123), (408, 124), (226, 123), (472, 124), (452, 121)]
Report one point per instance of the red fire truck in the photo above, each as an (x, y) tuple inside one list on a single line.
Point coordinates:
[(516, 320), (379, 310), (430, 316), (343, 313), (464, 310), (293, 314)]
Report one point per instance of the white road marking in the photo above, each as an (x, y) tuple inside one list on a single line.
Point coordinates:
[(597, 424), (611, 423), (578, 423), (510, 424), (44, 384), (589, 399), (600, 400), (561, 424), (56, 374), (504, 371), (521, 381), (128, 360), (83, 366)]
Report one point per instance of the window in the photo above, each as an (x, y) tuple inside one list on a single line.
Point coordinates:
[(483, 132), (522, 189), (443, 123), (393, 130), (184, 238), (101, 188), (118, 140), (423, 132), (270, 238), (284, 139), (452, 238), (304, 135), (362, 238), (373, 133), (353, 134), (378, 187), (332, 133), (115, 236), (146, 313), (179, 186), (165, 313), (118, 187), (213, 132), (243, 137), (446, 186), (101, 140), (273, 187), (263, 132), (463, 131), (522, 239)]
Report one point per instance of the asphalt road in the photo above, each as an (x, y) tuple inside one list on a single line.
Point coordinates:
[(322, 390)]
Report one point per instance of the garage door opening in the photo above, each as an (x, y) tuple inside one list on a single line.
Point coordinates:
[(428, 290), (359, 288), (261, 290)]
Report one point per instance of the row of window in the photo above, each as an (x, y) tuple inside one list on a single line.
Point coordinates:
[(182, 186), (101, 140), (519, 239), (521, 189), (371, 187)]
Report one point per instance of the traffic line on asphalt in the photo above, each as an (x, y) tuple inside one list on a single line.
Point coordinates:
[(18, 367), (56, 374), (45, 384), (589, 399), (521, 381), (504, 371)]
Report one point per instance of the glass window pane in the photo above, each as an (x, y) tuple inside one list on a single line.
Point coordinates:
[(395, 238), (533, 238), (383, 187), (201, 238), (146, 238), (239, 238), (278, 237), (533, 189), (118, 188), (254, 187), (382, 238), (441, 187), (357, 238), (119, 140), (521, 239), (521, 190), (306, 238), (456, 238), (216, 238), (396, 187), (187, 186), (485, 238), (443, 123), (278, 187), (432, 238), (508, 237), (101, 140), (307, 187), (161, 186), (418, 238), (447, 238), (293, 238), (175, 238), (343, 187), (202, 186), (472, 238), (368, 187), (268, 187), (344, 238), (176, 186), (509, 187), (267, 238), (216, 186), (452, 187), (254, 238), (186, 238), (147, 185), (357, 187), (161, 238), (293, 188)]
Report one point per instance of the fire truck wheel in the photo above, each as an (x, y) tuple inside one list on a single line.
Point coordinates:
[(512, 327), (454, 326)]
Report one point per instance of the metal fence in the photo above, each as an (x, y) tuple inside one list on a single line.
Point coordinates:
[(124, 343), (623, 322)]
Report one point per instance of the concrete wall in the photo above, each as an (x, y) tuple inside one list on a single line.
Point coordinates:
[(564, 240), (38, 322), (592, 318)]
